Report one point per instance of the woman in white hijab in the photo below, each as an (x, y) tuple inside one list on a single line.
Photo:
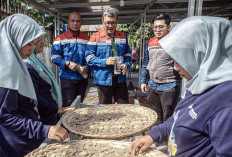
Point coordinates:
[(20, 129), (46, 88), (202, 122)]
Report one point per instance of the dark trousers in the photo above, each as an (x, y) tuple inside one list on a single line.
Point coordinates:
[(163, 102), (133, 65), (71, 89), (117, 90)]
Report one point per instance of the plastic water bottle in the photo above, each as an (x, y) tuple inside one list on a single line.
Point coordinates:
[(117, 67), (83, 75)]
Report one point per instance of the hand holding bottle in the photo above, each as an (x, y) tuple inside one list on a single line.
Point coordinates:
[(83, 70)]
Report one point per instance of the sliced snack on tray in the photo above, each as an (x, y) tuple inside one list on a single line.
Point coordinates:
[(109, 121), (91, 148)]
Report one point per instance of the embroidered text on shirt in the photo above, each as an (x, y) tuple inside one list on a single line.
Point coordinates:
[(192, 113)]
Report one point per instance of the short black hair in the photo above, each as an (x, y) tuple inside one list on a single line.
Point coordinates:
[(164, 17)]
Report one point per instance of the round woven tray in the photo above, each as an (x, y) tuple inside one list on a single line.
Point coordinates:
[(91, 148), (109, 121)]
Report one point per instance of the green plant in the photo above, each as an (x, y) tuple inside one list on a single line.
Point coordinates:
[(134, 32)]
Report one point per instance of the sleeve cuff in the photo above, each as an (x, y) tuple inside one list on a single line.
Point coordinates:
[(103, 62), (46, 130), (127, 64), (152, 136), (62, 64), (142, 81), (56, 109)]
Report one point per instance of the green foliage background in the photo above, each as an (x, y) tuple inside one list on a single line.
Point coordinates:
[(134, 32), (47, 22)]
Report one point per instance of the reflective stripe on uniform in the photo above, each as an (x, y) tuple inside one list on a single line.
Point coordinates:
[(127, 54), (55, 56), (120, 41), (71, 41), (92, 43), (104, 42), (89, 57)]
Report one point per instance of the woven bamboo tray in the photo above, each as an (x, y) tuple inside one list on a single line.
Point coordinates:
[(91, 148), (91, 99), (109, 121)]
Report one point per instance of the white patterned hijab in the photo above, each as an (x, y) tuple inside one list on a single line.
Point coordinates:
[(15, 32), (203, 47)]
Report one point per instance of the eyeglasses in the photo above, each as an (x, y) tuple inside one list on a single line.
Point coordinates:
[(161, 27), (113, 23)]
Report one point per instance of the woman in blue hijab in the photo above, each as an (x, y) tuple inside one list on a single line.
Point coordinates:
[(47, 89), (202, 122), (20, 129)]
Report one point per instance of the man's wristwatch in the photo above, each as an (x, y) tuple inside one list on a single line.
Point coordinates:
[(67, 63)]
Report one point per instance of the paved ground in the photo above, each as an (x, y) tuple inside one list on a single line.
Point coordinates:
[(132, 83)]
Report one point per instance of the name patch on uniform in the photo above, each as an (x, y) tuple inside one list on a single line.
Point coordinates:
[(103, 42), (154, 48), (120, 41)]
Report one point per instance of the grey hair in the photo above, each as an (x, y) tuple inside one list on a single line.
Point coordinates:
[(110, 12)]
